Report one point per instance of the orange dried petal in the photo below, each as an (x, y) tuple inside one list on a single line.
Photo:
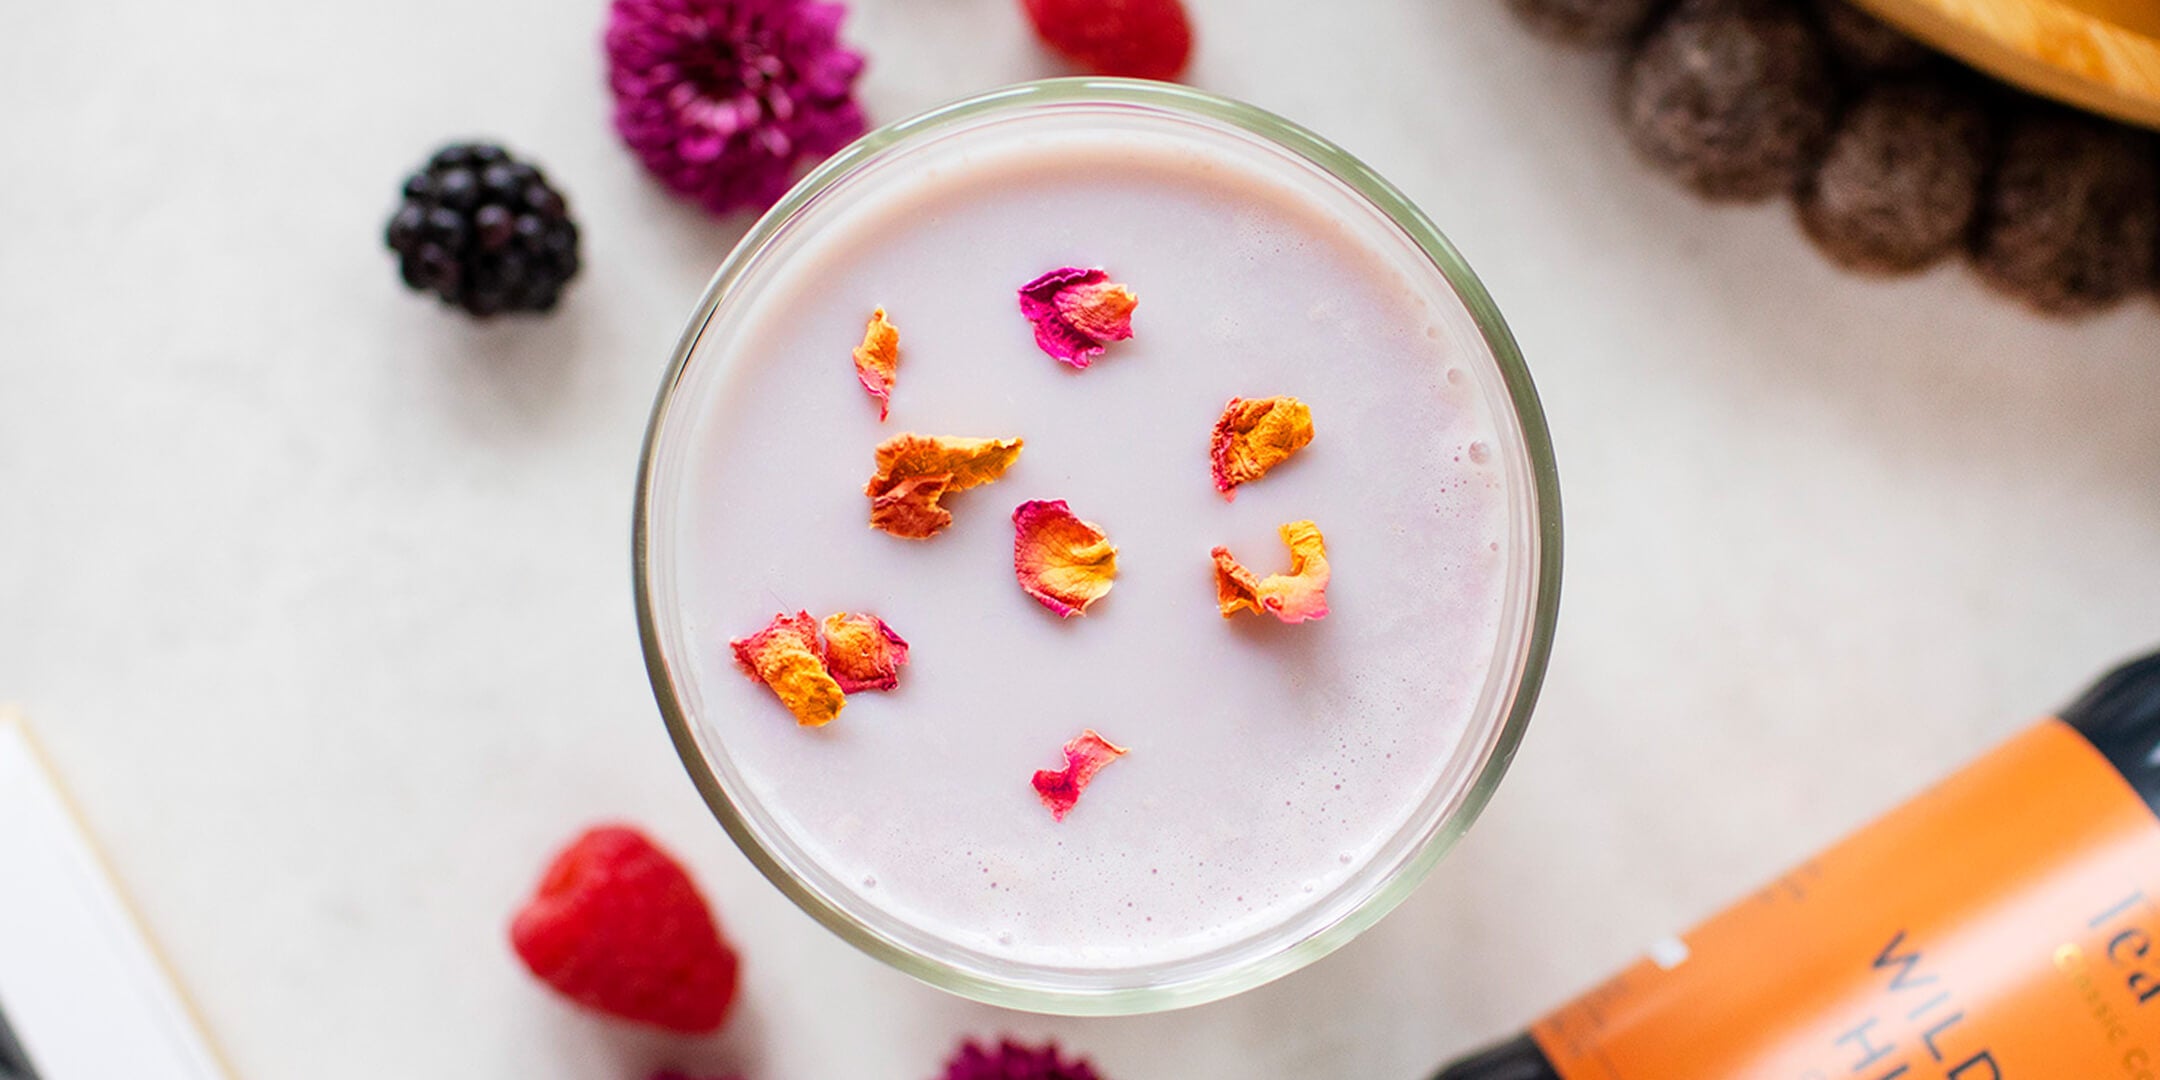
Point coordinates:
[(1085, 756), (1063, 562), (788, 657), (915, 471), (877, 360), (1294, 597), (969, 462), (1253, 436), (862, 653), (1235, 586), (910, 510)]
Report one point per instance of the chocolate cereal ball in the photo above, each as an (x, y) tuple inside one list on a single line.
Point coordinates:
[(2068, 225), (1901, 181), (1865, 45), (1730, 96), (1586, 22)]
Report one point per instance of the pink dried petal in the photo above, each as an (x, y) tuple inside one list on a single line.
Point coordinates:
[(1085, 756), (1098, 309), (1075, 311), (863, 653), (1063, 562)]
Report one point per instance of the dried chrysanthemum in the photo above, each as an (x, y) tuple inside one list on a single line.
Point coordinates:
[(1294, 597), (723, 100), (1076, 311), (877, 360), (1013, 1061), (915, 471), (788, 657), (1255, 435), (862, 653), (1085, 756), (1063, 562)]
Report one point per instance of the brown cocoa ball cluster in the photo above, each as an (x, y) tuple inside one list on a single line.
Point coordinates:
[(1730, 96), (1897, 187), (1894, 157)]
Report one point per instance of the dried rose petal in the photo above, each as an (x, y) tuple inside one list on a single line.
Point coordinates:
[(1085, 756), (1294, 597), (877, 360), (1075, 311), (1062, 561), (1235, 586), (915, 471), (863, 653), (910, 509), (1255, 436), (967, 462), (788, 657)]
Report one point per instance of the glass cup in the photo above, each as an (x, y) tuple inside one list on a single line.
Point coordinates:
[(1531, 589)]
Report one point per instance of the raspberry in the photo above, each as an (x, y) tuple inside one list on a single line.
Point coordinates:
[(618, 926), (1141, 39)]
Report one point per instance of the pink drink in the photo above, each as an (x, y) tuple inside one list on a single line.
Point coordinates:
[(1279, 775)]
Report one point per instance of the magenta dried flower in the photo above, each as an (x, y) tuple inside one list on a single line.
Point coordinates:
[(1075, 311), (1012, 1061), (723, 100)]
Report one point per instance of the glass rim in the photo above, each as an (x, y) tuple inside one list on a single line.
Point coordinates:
[(1544, 536)]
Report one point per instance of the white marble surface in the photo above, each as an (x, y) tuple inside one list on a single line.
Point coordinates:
[(320, 596)]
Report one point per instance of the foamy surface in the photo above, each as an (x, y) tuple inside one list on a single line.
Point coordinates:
[(1269, 763)]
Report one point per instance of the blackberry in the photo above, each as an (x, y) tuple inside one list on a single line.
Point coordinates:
[(485, 232)]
